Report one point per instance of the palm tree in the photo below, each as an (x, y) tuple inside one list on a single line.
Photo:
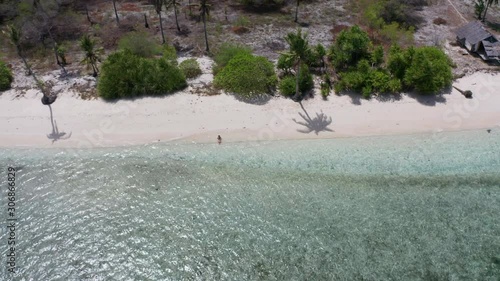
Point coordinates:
[(204, 9), (60, 56), (91, 54), (174, 4), (146, 24), (15, 38), (299, 50), (116, 12), (88, 14), (488, 4), (158, 6), (297, 11)]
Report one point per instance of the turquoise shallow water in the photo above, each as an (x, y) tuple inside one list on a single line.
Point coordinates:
[(422, 207)]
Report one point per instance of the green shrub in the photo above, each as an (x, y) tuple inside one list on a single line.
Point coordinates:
[(285, 64), (242, 21), (5, 77), (125, 74), (140, 44), (247, 76), (351, 46), (377, 56), (380, 12), (287, 86), (170, 53), (320, 53), (429, 71), (381, 82), (306, 82), (402, 12), (190, 68), (314, 58), (226, 52), (351, 81), (425, 69), (394, 33), (399, 60), (395, 21), (288, 83), (368, 80), (326, 86)]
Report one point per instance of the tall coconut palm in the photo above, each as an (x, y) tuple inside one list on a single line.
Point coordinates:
[(116, 13), (88, 14), (488, 4), (146, 24), (60, 59), (15, 38), (158, 7), (204, 8), (299, 50), (297, 11), (91, 54), (174, 4)]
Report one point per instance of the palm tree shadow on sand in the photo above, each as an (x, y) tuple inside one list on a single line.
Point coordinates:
[(317, 124), (56, 135)]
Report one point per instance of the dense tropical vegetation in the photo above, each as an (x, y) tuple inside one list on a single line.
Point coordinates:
[(361, 66), (299, 57), (378, 56), (190, 68), (127, 75), (247, 76), (481, 8)]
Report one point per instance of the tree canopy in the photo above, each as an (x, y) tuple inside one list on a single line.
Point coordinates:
[(248, 76)]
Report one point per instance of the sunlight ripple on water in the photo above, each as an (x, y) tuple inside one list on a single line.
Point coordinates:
[(350, 209)]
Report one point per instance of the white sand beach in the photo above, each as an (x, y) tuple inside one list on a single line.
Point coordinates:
[(185, 116)]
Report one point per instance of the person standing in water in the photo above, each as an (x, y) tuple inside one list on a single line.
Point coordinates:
[(219, 139)]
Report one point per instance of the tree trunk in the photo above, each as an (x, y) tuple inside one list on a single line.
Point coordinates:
[(58, 61), (297, 88), (297, 11), (88, 15), (30, 72), (175, 13), (55, 52), (161, 29), (116, 13), (467, 93), (146, 24), (225, 12), (46, 100), (205, 28), (94, 69), (485, 11)]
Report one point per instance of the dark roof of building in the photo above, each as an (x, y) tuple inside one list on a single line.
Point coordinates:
[(492, 49), (473, 32)]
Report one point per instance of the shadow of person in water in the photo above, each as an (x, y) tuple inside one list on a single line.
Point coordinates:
[(317, 124), (56, 135)]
